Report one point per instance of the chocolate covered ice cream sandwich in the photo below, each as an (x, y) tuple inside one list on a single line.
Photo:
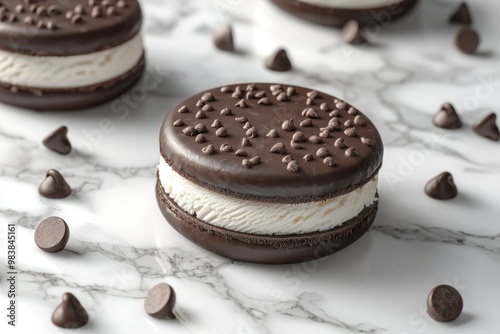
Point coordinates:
[(268, 173), (60, 55)]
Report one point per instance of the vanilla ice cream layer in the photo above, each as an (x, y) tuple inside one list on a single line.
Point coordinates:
[(351, 4), (264, 218), (70, 71)]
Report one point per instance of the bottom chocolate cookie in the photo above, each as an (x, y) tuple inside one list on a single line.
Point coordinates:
[(265, 249), (71, 98)]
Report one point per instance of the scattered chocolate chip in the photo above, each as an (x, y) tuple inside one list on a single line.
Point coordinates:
[(367, 141), (226, 112), (352, 111), (467, 40), (54, 185), (121, 4), (40, 25), (461, 15), (325, 134), (282, 97), (183, 110), (110, 11), (487, 127), (299, 137), (341, 105), (207, 107), (200, 103), (178, 123), (241, 119), (76, 19), (200, 139), (288, 125), (226, 89), (225, 147), (329, 161), (78, 9), (200, 114), (249, 95), (255, 160), (272, 134), (348, 123), (308, 157), (216, 124), (359, 120), (351, 33), (276, 88), (279, 61), (238, 94), (351, 132), (52, 234), (315, 139), (51, 25), (160, 301), (264, 101), (444, 303), (96, 12), (293, 166), (324, 107), (247, 126), (208, 150), (33, 8), (339, 143), (297, 146), (306, 123), (223, 39), (310, 113), (350, 152), (278, 148), (19, 9), (241, 104), (241, 153), (41, 11), (309, 102), (312, 94), (246, 163), (252, 133), (447, 117), (52, 10), (70, 313), (322, 152), (251, 87), (334, 113), (260, 94), (207, 97), (189, 131), (28, 20), (221, 132), (276, 93), (57, 141), (286, 159), (200, 128), (290, 91), (441, 187), (245, 142)]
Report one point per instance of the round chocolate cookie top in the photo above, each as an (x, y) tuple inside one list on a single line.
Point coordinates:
[(64, 28), (271, 142)]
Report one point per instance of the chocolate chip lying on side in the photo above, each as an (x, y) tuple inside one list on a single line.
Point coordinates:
[(467, 40), (487, 127), (352, 34), (223, 39), (70, 313), (444, 303), (52, 234), (461, 15), (57, 141), (160, 301), (279, 61), (447, 117), (441, 187), (54, 185)]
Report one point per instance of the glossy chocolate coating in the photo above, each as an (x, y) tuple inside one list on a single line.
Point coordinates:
[(71, 98), (265, 249), (267, 178), (71, 28), (337, 17)]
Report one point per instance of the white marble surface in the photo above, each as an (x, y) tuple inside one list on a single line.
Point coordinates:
[(120, 245)]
